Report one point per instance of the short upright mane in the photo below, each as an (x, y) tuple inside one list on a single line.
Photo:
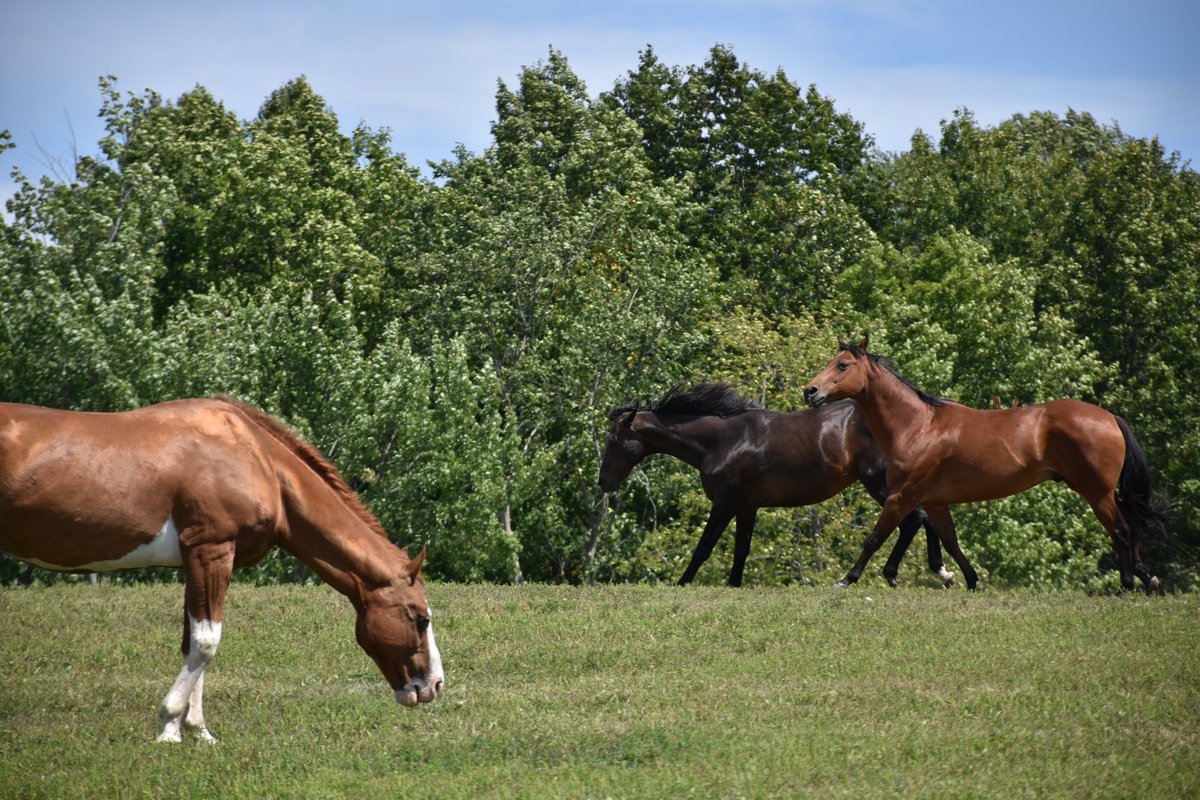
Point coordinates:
[(887, 364), (311, 457)]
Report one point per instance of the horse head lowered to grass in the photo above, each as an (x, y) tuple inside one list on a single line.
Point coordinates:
[(940, 453), (208, 485)]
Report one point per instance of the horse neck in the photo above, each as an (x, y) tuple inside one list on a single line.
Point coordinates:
[(890, 407), (689, 440), (331, 539)]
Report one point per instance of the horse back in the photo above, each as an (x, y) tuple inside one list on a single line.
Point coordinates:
[(971, 454), (789, 459), (98, 491)]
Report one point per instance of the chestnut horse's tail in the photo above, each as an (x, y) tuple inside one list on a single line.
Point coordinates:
[(1149, 511)]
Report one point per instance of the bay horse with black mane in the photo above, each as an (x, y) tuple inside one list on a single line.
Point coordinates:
[(751, 458), (207, 485), (940, 453)]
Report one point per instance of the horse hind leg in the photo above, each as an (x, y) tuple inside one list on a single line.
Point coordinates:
[(1133, 535), (1110, 517), (943, 523)]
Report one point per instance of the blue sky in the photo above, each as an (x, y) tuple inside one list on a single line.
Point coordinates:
[(429, 71)]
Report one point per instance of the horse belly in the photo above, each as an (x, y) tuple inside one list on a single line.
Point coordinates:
[(63, 511), (970, 482), (160, 551)]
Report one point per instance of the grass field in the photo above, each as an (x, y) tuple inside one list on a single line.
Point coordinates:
[(615, 692)]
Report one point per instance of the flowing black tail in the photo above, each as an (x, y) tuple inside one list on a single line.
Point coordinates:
[(1149, 511)]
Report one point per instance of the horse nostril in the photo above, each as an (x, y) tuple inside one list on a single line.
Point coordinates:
[(809, 391), (437, 687)]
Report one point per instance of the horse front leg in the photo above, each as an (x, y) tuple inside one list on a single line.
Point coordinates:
[(718, 520), (207, 570), (908, 530), (183, 705), (741, 546), (895, 508)]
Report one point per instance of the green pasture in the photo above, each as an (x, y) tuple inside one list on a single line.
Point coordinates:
[(629, 691)]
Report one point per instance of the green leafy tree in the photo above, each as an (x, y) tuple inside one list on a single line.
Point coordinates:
[(767, 163), (564, 271)]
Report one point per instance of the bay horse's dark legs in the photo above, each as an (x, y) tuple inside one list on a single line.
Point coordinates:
[(874, 479), (908, 530), (741, 547), (889, 518), (1149, 581), (943, 523), (718, 520), (909, 527), (1105, 509)]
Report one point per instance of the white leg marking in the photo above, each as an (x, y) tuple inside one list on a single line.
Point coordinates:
[(193, 719), (205, 636)]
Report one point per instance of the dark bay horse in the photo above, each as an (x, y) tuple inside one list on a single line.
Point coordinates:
[(750, 458), (940, 453), (207, 485)]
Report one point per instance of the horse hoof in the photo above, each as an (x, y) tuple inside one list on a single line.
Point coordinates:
[(837, 587), (1155, 587), (893, 582), (202, 735), (947, 577)]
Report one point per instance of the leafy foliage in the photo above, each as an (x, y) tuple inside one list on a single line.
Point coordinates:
[(454, 343)]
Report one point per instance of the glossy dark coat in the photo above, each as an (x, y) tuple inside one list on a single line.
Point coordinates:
[(751, 458)]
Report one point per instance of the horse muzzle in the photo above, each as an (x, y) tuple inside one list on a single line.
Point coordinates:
[(814, 396), (413, 694)]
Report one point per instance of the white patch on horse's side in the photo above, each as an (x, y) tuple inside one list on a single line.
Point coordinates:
[(161, 551)]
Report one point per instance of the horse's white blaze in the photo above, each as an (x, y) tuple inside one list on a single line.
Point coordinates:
[(435, 660), (425, 689), (161, 551)]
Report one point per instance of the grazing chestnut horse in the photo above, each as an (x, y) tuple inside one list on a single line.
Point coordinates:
[(750, 458), (207, 485), (940, 453)]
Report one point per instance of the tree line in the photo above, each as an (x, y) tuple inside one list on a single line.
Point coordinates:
[(453, 342)]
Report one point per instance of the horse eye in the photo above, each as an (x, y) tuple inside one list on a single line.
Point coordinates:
[(422, 624), (843, 366)]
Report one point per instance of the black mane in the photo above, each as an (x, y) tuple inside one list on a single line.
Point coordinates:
[(702, 400), (889, 365)]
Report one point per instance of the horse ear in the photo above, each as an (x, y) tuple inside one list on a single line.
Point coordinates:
[(863, 344), (413, 567), (841, 342)]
